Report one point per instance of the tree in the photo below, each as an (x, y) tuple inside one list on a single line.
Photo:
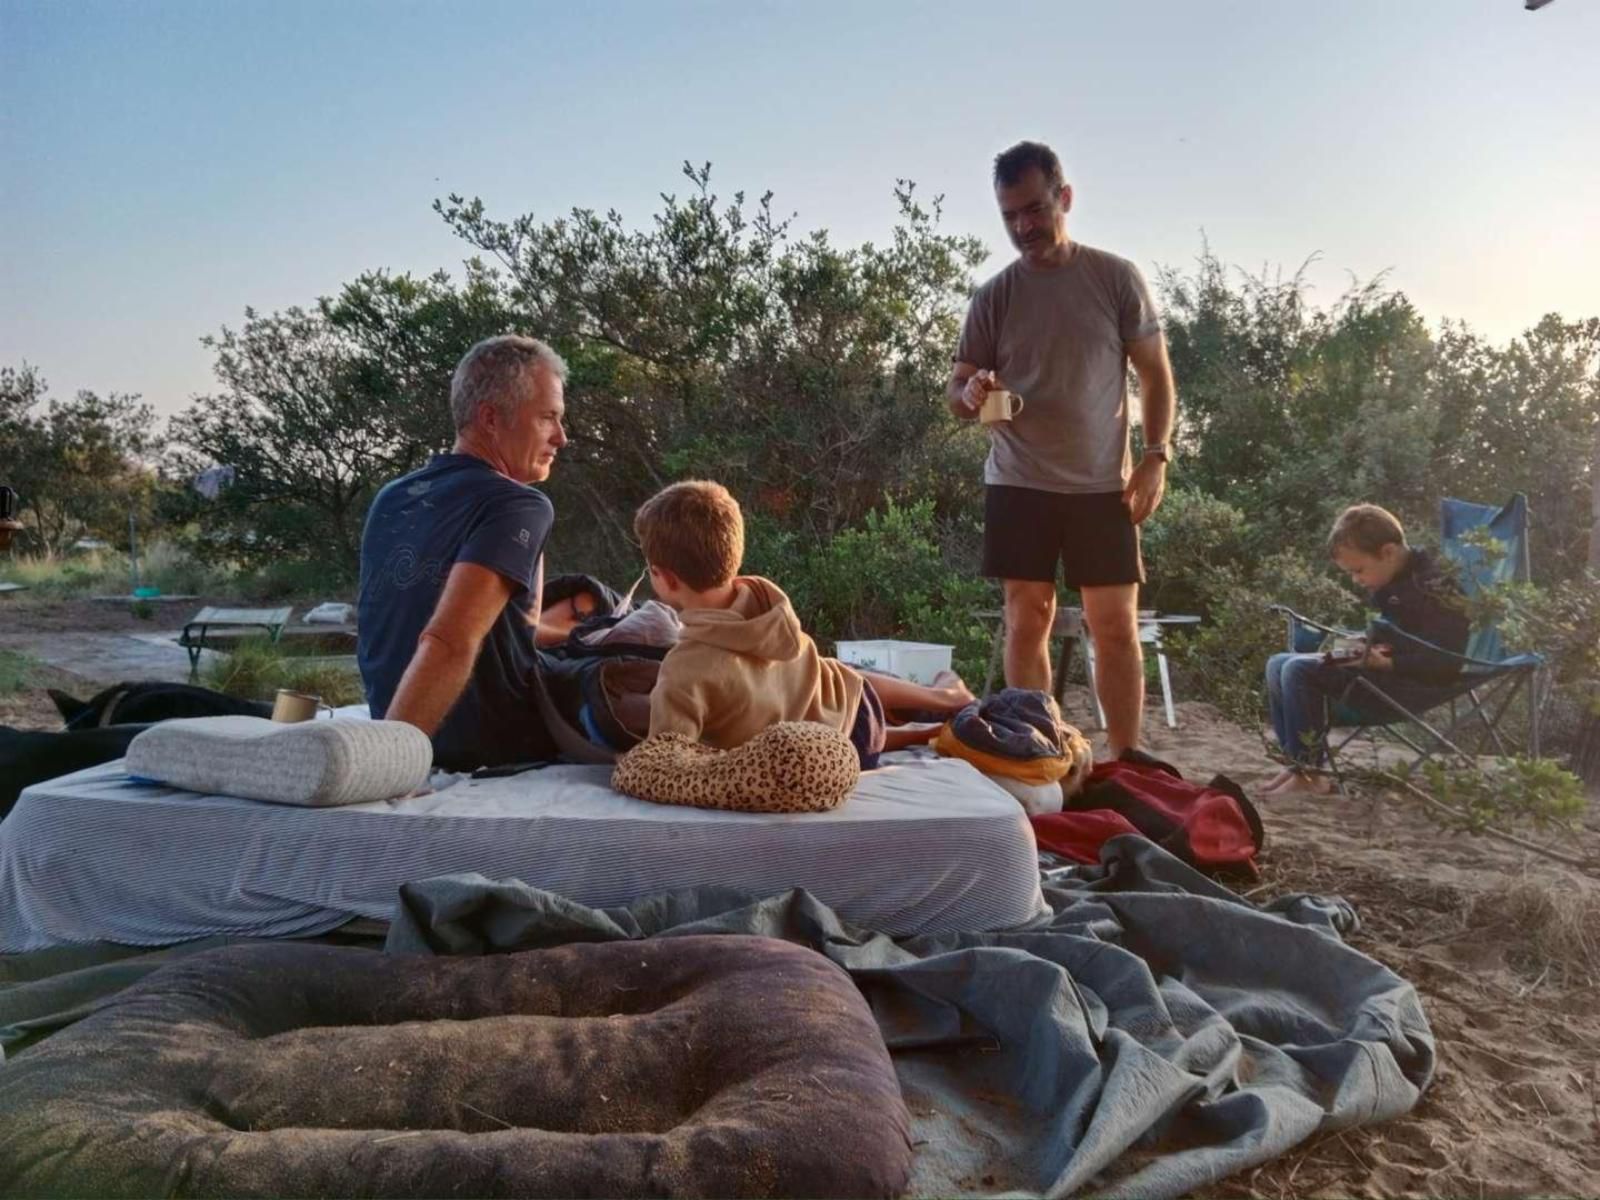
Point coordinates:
[(1594, 507), (805, 376), (1290, 412), (320, 408), (1525, 417), (80, 466)]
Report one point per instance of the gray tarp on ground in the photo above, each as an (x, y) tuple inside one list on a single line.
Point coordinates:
[(1154, 1033)]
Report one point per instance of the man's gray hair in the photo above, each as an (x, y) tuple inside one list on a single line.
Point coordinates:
[(496, 371)]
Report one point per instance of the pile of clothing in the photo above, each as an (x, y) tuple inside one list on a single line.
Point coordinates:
[(1018, 738)]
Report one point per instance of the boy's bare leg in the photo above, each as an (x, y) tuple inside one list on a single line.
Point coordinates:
[(901, 695), (898, 737)]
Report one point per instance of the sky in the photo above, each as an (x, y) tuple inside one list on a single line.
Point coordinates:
[(166, 163)]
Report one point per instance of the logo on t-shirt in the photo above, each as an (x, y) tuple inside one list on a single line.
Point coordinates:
[(405, 569)]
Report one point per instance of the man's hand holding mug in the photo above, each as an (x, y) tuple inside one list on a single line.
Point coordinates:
[(978, 387)]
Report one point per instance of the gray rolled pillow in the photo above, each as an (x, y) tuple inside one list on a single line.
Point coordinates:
[(311, 763)]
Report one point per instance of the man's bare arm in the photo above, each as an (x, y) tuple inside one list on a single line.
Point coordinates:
[(1148, 482), (1158, 398), (473, 598)]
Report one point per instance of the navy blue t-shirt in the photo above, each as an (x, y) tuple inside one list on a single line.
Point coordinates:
[(457, 509)]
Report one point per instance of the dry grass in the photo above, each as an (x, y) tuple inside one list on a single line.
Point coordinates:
[(1556, 930)]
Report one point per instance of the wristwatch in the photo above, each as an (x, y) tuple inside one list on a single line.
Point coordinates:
[(1159, 450)]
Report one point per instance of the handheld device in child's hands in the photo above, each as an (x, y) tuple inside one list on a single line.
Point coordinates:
[(1345, 650)]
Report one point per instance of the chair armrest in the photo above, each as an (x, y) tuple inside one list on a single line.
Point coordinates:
[(1391, 632), (1297, 621)]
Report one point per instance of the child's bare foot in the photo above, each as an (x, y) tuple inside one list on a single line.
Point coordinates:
[(1274, 785), (1303, 783)]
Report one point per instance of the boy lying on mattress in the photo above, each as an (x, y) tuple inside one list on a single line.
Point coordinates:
[(742, 662)]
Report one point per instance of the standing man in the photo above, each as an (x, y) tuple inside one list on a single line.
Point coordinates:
[(1059, 327), (451, 565)]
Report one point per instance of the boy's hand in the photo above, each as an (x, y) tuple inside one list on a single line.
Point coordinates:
[(1378, 658)]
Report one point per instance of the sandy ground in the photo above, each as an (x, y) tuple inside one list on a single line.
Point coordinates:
[(1502, 944)]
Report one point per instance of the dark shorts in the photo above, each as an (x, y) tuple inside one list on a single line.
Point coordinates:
[(1027, 531), (871, 727)]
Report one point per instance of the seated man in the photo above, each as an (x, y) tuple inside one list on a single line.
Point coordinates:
[(742, 662), (451, 565)]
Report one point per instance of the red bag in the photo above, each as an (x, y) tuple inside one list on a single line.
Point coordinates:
[(1211, 827)]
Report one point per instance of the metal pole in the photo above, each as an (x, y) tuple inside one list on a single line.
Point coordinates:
[(133, 551)]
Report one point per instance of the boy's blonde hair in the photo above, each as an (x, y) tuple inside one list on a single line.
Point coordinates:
[(1367, 528), (695, 530)]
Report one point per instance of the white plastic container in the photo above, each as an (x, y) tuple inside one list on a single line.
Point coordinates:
[(916, 661)]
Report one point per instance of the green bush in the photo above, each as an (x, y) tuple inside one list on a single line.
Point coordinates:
[(888, 577), (177, 572), (1195, 545), (162, 564), (1512, 790), (291, 579), (13, 671), (1226, 655), (97, 572)]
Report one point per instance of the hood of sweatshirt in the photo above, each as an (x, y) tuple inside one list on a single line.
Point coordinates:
[(760, 624)]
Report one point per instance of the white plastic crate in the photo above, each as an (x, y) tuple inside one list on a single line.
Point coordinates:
[(916, 661)]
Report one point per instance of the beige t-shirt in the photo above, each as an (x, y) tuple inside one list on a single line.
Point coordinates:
[(1055, 337)]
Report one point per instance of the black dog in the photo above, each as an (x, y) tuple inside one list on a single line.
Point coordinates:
[(28, 757), (146, 703), (99, 730)]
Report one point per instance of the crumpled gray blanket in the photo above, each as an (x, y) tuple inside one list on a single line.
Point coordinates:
[(1151, 1035)]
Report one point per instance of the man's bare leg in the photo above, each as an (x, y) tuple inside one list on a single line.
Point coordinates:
[(1113, 616), (1030, 612)]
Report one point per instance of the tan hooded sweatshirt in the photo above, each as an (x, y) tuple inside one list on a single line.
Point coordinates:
[(737, 670)]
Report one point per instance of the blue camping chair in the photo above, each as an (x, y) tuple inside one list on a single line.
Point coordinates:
[(1477, 699)]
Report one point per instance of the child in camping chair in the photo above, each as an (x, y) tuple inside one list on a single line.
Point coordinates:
[(1411, 593), (742, 662)]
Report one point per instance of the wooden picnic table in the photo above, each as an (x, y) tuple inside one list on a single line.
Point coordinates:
[(215, 619), (1073, 630)]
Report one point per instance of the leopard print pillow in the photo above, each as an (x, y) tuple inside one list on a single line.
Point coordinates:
[(795, 766)]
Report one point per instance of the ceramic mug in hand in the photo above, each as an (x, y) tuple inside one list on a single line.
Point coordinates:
[(999, 405)]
